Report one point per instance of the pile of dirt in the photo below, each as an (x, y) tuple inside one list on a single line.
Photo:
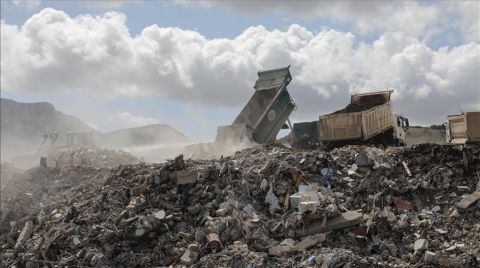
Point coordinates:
[(266, 206), (363, 104)]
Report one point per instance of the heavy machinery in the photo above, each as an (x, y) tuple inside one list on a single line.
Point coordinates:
[(368, 118), (264, 114), (463, 128), (306, 134)]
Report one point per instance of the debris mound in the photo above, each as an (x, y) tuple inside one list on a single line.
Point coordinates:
[(38, 189), (363, 104), (266, 206)]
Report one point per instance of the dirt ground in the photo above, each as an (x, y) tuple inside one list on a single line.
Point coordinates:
[(417, 135)]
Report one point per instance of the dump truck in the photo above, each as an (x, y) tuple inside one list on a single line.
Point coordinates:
[(368, 118), (265, 113), (463, 128), (306, 134)]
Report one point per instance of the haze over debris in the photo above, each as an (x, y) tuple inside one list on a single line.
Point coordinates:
[(124, 142)]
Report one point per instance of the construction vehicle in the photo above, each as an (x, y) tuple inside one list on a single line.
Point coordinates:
[(265, 113), (463, 128), (306, 134), (368, 118)]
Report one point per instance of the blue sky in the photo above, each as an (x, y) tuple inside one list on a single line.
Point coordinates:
[(330, 46)]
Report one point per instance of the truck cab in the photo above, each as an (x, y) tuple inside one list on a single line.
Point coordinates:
[(401, 124)]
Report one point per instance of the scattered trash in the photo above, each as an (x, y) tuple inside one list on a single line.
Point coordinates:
[(401, 204), (226, 212)]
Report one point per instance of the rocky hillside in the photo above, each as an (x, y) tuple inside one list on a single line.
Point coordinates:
[(23, 124), (142, 136)]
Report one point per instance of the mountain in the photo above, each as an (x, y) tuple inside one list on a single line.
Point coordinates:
[(142, 136), (23, 124)]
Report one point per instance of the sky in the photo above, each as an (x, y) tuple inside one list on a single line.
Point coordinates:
[(193, 64)]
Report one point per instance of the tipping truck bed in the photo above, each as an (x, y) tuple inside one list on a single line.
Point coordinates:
[(265, 113), (366, 116), (464, 128)]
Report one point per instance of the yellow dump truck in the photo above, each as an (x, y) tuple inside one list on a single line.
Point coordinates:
[(368, 118), (463, 128)]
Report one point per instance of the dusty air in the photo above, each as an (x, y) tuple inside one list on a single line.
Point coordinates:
[(293, 134)]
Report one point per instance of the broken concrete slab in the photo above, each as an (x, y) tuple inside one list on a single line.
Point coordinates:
[(187, 177), (344, 220), (159, 215), (282, 251), (469, 200), (420, 245), (311, 241), (24, 234)]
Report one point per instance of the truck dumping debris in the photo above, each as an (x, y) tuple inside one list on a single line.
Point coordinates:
[(368, 118), (364, 103), (239, 211)]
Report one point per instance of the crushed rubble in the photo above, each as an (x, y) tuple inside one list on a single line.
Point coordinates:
[(266, 206)]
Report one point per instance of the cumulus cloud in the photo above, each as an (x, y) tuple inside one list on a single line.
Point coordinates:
[(54, 52), (128, 120), (407, 16), (416, 18)]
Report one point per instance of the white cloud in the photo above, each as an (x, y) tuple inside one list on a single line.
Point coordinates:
[(465, 16), (128, 120), (416, 18), (408, 16), (53, 52)]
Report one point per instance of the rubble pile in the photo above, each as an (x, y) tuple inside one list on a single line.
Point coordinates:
[(90, 156), (28, 192), (266, 207)]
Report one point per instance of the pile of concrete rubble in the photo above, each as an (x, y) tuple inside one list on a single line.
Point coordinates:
[(264, 207), (27, 192), (89, 156)]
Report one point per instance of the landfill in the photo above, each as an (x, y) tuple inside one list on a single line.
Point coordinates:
[(265, 206)]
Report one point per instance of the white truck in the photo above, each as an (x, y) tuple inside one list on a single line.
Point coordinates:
[(463, 128)]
